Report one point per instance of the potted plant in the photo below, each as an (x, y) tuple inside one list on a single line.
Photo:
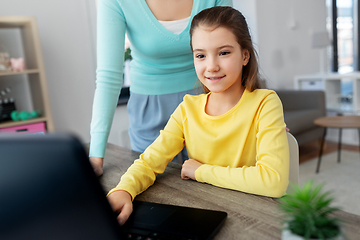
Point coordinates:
[(308, 214)]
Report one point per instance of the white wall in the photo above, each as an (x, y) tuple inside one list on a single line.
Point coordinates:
[(119, 131), (282, 36), (67, 34), (284, 33), (248, 9)]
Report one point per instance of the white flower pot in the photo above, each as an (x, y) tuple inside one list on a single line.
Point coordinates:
[(286, 234)]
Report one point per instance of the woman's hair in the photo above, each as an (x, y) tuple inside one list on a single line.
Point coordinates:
[(233, 20)]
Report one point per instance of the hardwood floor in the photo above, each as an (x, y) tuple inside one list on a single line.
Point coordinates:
[(311, 150)]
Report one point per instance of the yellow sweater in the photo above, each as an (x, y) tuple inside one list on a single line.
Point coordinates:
[(244, 149)]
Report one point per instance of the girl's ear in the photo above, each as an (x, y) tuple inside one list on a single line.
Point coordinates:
[(246, 57)]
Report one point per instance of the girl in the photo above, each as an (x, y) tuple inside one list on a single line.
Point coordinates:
[(235, 133)]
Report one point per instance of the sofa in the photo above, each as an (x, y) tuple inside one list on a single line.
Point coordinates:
[(301, 108)]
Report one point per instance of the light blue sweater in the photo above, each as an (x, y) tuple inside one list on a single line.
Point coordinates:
[(162, 61)]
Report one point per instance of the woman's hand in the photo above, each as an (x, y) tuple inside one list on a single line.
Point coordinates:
[(188, 169), (121, 203), (97, 165)]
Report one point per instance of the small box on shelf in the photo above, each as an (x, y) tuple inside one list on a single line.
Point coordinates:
[(26, 128), (6, 109)]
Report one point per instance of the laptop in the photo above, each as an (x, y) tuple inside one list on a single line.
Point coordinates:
[(48, 190)]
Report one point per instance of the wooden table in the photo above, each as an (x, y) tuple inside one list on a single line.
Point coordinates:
[(249, 216), (339, 122)]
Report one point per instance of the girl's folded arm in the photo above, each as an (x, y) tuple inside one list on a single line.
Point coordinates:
[(270, 173)]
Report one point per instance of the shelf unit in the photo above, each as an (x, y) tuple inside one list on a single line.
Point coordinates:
[(332, 85), (28, 87)]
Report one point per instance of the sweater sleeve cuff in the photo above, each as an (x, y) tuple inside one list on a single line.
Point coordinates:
[(118, 188), (98, 145), (200, 172)]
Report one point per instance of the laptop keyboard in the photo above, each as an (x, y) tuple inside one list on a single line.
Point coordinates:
[(140, 234)]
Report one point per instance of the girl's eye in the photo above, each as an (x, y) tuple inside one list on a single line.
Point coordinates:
[(224, 53), (200, 56)]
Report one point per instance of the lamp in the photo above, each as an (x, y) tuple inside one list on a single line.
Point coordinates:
[(321, 40)]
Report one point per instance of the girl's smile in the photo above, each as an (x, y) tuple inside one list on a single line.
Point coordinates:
[(215, 79)]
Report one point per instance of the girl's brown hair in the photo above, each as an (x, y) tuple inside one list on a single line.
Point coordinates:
[(233, 20)]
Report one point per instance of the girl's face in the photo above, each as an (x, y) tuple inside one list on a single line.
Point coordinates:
[(218, 59)]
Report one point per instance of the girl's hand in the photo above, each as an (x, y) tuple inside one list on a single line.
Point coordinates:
[(97, 165), (121, 203), (188, 169)]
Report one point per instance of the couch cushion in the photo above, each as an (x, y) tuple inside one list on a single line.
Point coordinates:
[(297, 100), (301, 120)]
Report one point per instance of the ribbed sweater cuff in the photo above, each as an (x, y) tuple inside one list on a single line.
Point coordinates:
[(98, 144)]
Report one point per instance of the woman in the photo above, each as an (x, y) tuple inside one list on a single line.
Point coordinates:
[(162, 69)]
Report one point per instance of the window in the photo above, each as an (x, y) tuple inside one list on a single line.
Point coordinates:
[(340, 21), (125, 90)]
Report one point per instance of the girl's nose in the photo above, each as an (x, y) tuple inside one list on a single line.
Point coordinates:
[(213, 65)]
